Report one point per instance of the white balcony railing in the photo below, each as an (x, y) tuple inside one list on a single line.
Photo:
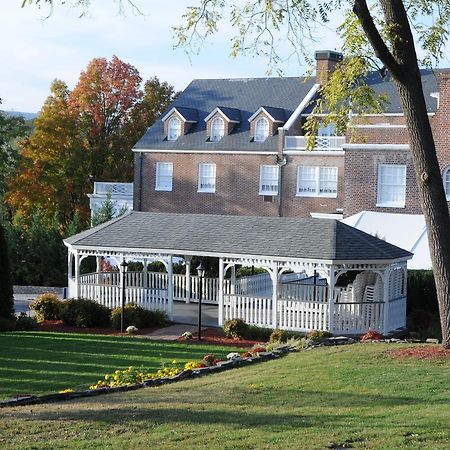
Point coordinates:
[(113, 188), (322, 143)]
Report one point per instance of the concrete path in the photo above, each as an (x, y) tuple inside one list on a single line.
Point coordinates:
[(171, 333)]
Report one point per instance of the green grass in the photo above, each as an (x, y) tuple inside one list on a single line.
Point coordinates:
[(353, 395), (40, 363)]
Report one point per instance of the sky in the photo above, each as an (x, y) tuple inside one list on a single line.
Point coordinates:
[(35, 49)]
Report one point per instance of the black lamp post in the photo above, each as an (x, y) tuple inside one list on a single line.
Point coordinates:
[(201, 274), (123, 266)]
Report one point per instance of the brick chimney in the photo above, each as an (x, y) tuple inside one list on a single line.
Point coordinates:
[(326, 62)]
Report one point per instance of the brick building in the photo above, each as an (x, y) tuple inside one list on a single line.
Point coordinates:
[(237, 147)]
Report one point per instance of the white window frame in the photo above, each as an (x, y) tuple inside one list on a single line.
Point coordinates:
[(380, 185), (216, 137), (261, 134), (164, 181), (208, 180), (266, 182), (446, 181), (173, 132), (316, 181)]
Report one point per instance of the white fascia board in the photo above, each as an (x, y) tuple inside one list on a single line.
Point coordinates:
[(369, 115), (375, 147), (174, 109), (218, 110), (304, 103), (215, 152), (314, 152), (260, 110), (377, 125)]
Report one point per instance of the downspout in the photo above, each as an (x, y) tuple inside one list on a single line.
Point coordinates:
[(140, 181), (281, 162)]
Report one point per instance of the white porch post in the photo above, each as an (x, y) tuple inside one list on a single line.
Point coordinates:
[(221, 283), (187, 281), (69, 274), (331, 284), (274, 276), (233, 280), (170, 288), (77, 275), (98, 268), (386, 276), (145, 275)]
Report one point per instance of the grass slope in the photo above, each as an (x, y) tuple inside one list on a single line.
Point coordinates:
[(39, 362), (353, 396)]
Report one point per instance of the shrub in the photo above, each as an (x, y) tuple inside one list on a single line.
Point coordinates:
[(47, 307), (7, 324), (131, 330), (422, 292), (138, 317), (85, 313), (319, 334), (258, 333), (25, 323), (371, 336), (235, 328), (278, 336)]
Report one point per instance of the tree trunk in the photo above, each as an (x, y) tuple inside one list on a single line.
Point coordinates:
[(403, 66)]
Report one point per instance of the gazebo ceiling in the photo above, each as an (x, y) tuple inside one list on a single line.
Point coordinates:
[(216, 235)]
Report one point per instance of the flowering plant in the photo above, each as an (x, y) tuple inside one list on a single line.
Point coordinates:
[(208, 360), (233, 355), (131, 330), (258, 349), (246, 355), (66, 391), (187, 335), (371, 336)]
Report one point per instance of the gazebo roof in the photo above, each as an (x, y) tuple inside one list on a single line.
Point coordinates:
[(237, 236)]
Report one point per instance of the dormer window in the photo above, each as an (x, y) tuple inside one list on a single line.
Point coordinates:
[(217, 129), (261, 129), (174, 131)]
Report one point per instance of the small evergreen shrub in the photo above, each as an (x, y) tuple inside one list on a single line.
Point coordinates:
[(85, 313), (278, 336), (235, 328), (319, 334), (47, 307), (256, 333), (138, 317), (7, 324), (25, 323)]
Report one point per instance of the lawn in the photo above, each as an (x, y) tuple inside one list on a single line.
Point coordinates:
[(353, 397), (40, 362)]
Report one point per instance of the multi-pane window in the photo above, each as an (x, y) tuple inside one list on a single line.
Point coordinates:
[(268, 180), (206, 177), (217, 129), (174, 131), (315, 181), (261, 129), (164, 176), (446, 179), (391, 185)]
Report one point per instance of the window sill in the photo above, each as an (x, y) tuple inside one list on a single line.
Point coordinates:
[(204, 191), (390, 205), (273, 194), (163, 190), (317, 195)]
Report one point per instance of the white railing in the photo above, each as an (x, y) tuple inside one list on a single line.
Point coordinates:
[(302, 315), (358, 317), (323, 143), (253, 310), (397, 313), (304, 292), (113, 188)]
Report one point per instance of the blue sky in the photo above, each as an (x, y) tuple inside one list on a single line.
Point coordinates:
[(35, 50)]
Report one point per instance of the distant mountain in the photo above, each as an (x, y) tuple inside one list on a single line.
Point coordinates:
[(25, 115)]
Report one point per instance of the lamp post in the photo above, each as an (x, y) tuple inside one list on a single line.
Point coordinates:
[(123, 266), (201, 274)]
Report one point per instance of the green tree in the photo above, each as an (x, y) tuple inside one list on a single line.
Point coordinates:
[(6, 288), (107, 211)]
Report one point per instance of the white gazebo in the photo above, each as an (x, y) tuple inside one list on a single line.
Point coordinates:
[(303, 259)]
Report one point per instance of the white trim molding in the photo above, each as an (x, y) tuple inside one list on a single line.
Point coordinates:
[(214, 152), (393, 147)]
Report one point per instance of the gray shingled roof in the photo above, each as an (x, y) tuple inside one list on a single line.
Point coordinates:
[(189, 114), (231, 113), (276, 237), (247, 95), (279, 95)]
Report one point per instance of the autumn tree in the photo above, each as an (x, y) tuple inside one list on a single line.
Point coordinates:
[(6, 287)]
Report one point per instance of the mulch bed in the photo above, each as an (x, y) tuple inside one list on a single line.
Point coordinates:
[(216, 336), (427, 352), (58, 326)]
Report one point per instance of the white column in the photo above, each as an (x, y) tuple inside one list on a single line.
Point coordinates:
[(274, 276), (77, 275), (187, 280), (69, 274), (331, 284), (233, 280), (220, 293), (170, 288), (386, 276)]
